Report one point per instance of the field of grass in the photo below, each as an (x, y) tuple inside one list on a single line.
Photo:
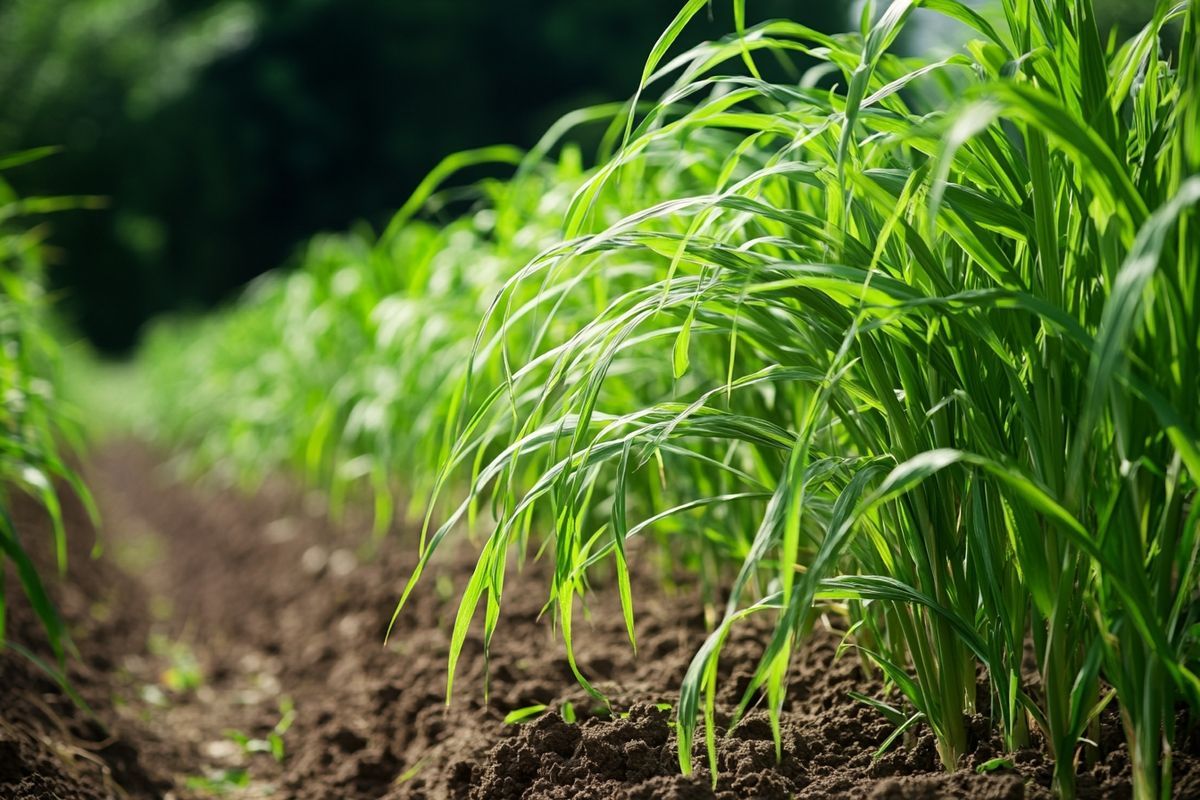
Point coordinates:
[(910, 341)]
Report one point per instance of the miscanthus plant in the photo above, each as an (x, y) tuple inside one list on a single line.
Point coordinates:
[(917, 336), (33, 421)]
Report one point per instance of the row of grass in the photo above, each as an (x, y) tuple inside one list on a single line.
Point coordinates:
[(913, 338), (34, 423), (343, 371)]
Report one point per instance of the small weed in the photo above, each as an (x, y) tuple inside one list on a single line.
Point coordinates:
[(219, 782), (273, 743)]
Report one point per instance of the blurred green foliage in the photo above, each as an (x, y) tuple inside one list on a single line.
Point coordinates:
[(227, 131), (34, 423)]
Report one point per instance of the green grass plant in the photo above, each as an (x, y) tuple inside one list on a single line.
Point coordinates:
[(950, 311), (34, 422)]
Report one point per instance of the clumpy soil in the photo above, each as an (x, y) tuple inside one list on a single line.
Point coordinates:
[(216, 627)]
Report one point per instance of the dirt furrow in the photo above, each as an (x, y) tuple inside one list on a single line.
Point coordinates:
[(231, 643)]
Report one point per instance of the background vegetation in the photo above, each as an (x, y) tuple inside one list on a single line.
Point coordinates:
[(34, 422), (225, 132)]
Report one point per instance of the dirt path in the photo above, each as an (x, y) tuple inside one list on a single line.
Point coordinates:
[(217, 628)]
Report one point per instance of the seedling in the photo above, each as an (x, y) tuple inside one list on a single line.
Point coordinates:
[(182, 673), (219, 782), (524, 714), (273, 743), (993, 764)]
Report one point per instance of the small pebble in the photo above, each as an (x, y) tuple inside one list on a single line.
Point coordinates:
[(222, 750), (342, 562), (314, 559), (280, 531), (349, 625)]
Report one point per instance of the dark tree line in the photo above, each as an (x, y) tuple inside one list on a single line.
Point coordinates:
[(224, 133)]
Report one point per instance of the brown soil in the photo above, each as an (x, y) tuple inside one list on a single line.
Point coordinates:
[(210, 610)]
